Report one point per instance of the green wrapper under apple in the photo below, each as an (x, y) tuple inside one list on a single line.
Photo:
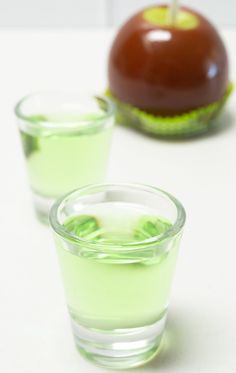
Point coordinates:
[(184, 125)]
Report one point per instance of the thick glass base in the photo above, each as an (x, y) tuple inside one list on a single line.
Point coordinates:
[(120, 348), (42, 206)]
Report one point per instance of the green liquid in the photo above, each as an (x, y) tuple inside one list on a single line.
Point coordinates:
[(59, 162), (116, 289)]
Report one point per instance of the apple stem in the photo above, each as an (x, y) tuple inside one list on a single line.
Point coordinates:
[(174, 7)]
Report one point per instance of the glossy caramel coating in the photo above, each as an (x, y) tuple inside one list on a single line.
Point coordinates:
[(167, 70)]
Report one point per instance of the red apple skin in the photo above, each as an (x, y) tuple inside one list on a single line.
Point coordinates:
[(169, 77)]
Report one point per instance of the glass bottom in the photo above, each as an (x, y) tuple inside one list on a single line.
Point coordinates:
[(120, 348), (42, 206)]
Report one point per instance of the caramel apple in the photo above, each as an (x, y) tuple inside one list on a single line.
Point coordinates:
[(168, 69)]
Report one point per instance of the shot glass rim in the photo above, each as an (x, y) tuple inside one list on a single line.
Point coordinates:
[(138, 245), (78, 124)]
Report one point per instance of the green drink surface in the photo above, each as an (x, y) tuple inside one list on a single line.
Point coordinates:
[(60, 161), (109, 286)]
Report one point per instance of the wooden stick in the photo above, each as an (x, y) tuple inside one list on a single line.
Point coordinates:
[(174, 8)]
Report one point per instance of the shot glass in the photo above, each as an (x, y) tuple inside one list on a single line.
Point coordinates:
[(66, 139), (117, 248)]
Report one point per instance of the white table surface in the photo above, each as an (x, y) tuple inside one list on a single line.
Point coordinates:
[(35, 335)]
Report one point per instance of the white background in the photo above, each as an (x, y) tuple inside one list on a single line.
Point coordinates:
[(35, 335), (97, 13)]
